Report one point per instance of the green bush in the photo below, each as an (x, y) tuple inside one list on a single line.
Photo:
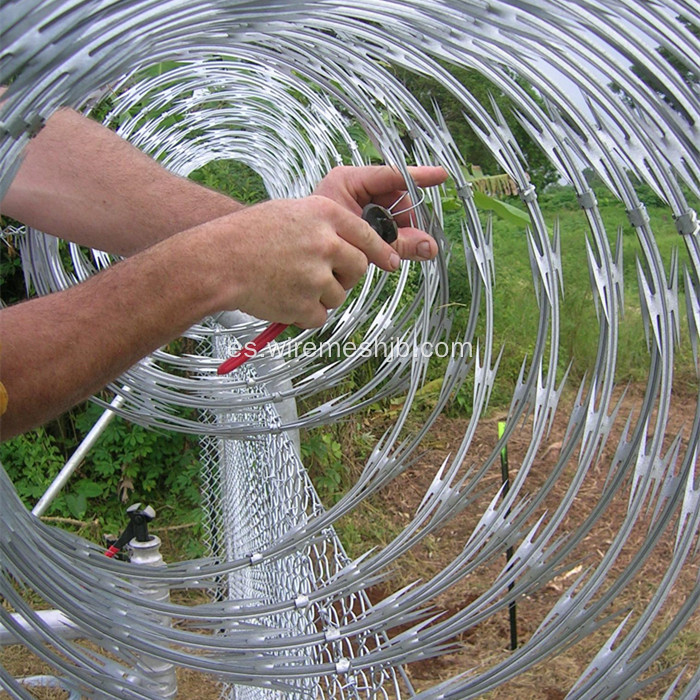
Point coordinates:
[(128, 464), (232, 178), (557, 197), (323, 458), (32, 460)]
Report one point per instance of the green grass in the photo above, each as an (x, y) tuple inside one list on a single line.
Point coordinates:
[(516, 310)]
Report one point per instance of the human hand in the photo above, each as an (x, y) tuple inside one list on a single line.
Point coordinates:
[(355, 187), (290, 261)]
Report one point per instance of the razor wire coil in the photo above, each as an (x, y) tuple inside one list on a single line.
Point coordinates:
[(276, 85)]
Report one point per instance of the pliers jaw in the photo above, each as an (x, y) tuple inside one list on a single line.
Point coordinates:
[(381, 220)]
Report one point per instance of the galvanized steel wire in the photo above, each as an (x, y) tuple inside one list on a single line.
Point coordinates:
[(276, 86)]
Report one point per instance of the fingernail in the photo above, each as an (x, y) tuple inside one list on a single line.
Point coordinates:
[(423, 250), (394, 261)]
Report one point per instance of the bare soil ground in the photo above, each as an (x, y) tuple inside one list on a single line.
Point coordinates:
[(486, 644)]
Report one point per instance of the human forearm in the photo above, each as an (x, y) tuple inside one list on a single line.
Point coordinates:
[(286, 261), (82, 182), (59, 349)]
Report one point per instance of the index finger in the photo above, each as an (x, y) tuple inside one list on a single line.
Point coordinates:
[(390, 189), (378, 180)]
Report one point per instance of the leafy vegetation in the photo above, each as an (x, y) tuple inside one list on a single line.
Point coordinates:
[(429, 92), (323, 457), (128, 464)]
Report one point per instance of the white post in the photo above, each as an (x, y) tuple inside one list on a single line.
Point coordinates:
[(160, 672)]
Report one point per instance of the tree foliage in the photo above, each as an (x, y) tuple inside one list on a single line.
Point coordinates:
[(689, 73), (429, 92)]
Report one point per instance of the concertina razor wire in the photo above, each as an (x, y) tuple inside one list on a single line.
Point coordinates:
[(280, 86)]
